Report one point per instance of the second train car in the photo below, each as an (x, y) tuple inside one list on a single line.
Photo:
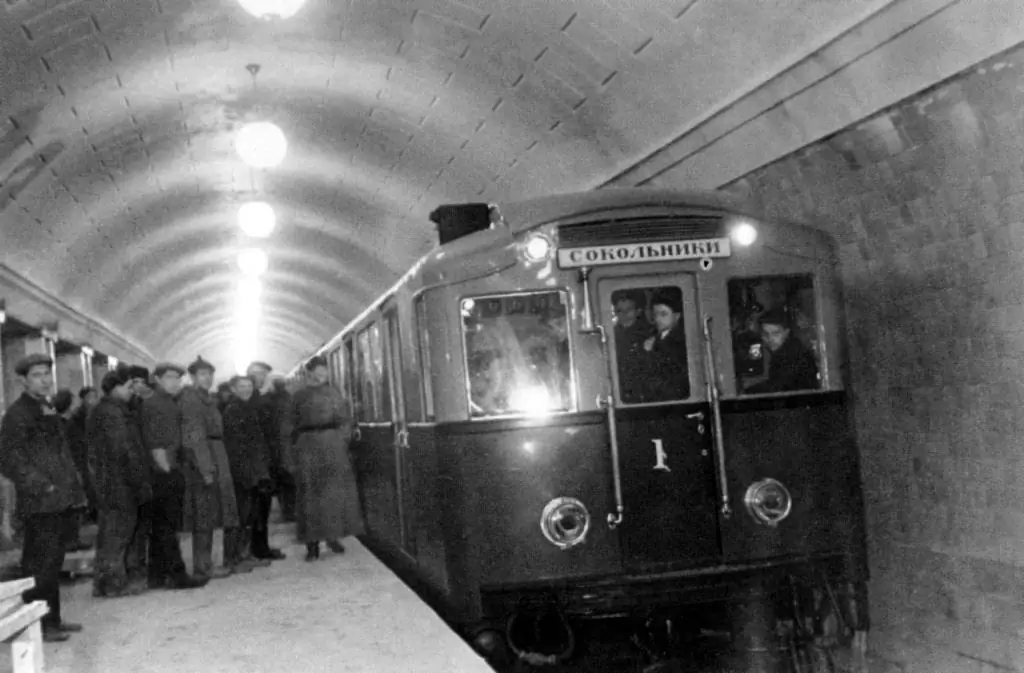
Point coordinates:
[(620, 403)]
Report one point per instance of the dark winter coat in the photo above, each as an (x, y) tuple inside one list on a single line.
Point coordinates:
[(119, 473)]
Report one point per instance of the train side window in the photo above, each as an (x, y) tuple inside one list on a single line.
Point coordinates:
[(350, 391), (775, 334), (366, 411), (335, 363), (650, 344), (423, 344), (381, 389), (517, 354)]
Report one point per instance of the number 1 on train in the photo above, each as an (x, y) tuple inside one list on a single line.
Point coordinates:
[(660, 456)]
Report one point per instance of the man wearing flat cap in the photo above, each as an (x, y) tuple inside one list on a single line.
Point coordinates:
[(161, 435), (791, 365), (35, 456), (138, 551), (202, 438), (267, 408), (122, 479), (666, 367)]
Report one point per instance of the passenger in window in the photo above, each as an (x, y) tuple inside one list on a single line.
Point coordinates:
[(488, 392), (791, 365), (667, 372), (631, 330)]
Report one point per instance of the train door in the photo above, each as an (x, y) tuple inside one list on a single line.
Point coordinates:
[(393, 365), (663, 422)]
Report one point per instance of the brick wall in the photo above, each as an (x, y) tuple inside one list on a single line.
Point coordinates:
[(927, 202)]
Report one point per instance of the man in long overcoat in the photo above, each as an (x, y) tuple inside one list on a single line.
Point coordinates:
[(279, 423), (34, 455), (250, 469), (137, 560), (122, 482), (208, 504), (161, 435), (268, 421)]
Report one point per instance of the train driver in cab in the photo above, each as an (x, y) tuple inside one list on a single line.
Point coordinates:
[(791, 365), (668, 373), (631, 330)]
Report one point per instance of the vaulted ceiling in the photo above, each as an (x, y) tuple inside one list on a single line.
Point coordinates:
[(120, 184)]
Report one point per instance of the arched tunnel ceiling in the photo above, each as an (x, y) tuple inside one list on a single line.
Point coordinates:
[(119, 183)]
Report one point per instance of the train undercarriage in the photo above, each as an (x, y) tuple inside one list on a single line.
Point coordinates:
[(807, 618)]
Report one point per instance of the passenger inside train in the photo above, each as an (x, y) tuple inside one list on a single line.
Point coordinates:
[(517, 350), (650, 353), (788, 339)]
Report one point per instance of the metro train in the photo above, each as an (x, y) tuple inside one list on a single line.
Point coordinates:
[(568, 411)]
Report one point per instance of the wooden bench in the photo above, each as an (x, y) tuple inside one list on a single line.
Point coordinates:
[(20, 627)]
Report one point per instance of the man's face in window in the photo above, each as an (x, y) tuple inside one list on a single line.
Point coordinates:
[(665, 318), (774, 336), (625, 313)]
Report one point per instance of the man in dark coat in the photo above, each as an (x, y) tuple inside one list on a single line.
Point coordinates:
[(282, 467), (34, 455), (250, 469), (258, 372), (201, 491), (667, 371), (791, 366), (63, 404), (79, 443), (631, 330), (137, 561), (122, 484), (161, 435)]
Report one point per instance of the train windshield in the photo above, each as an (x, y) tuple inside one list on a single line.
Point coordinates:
[(650, 344), (517, 354), (775, 339)]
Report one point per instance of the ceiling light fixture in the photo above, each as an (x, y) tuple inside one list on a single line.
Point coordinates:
[(261, 144), (257, 219), (253, 262), (272, 9)]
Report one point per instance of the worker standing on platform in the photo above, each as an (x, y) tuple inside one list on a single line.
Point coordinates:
[(34, 455), (250, 469), (223, 509), (63, 404), (123, 485), (282, 465), (137, 561), (79, 444), (328, 508), (258, 372), (161, 435)]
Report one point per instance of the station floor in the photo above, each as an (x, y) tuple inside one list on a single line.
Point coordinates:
[(340, 614)]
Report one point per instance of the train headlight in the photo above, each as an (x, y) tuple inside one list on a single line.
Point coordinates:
[(565, 522), (537, 248), (743, 233), (768, 501)]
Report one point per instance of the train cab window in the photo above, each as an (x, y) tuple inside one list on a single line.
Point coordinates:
[(650, 344), (426, 384), (774, 334), (517, 354)]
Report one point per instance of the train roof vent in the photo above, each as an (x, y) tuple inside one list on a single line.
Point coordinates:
[(460, 219)]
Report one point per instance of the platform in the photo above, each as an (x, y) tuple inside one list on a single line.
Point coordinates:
[(340, 614)]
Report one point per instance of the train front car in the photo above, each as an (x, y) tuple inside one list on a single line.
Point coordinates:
[(655, 418)]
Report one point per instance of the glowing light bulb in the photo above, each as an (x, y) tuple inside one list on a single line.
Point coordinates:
[(272, 9), (253, 262), (257, 219), (744, 233), (261, 145)]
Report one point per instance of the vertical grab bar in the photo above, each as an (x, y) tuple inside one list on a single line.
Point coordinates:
[(711, 374)]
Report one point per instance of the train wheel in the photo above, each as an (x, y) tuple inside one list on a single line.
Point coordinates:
[(827, 617)]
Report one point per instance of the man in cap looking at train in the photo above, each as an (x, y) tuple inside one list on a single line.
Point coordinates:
[(161, 435), (259, 373), (35, 456)]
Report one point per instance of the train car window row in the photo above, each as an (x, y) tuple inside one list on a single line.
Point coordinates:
[(650, 344), (775, 336), (517, 353)]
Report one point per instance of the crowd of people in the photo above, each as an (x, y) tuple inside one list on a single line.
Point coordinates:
[(149, 457)]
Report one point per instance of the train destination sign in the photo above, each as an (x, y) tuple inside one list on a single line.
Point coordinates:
[(644, 252)]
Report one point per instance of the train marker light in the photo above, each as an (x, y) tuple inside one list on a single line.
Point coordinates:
[(565, 522), (744, 233), (261, 144), (537, 248), (257, 219), (768, 502)]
